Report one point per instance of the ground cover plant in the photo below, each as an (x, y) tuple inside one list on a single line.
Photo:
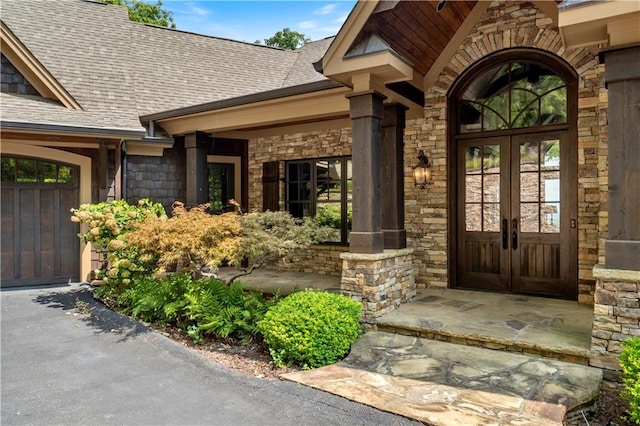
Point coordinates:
[(199, 307), (311, 328)]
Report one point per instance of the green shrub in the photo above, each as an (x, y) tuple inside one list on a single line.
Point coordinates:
[(224, 311), (108, 224), (311, 328), (630, 364), (200, 307)]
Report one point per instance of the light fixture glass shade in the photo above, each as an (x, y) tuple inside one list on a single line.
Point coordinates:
[(422, 171)]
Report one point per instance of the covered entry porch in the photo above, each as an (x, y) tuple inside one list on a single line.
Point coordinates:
[(547, 327)]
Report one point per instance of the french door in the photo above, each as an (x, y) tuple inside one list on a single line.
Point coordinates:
[(516, 214)]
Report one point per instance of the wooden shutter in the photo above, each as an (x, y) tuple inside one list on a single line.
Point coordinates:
[(270, 186)]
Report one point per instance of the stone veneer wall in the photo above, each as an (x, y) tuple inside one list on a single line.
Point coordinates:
[(504, 25), (507, 25), (321, 259), (616, 317), (297, 146), (381, 281)]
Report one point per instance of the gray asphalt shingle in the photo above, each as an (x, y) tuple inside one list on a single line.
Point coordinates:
[(118, 70)]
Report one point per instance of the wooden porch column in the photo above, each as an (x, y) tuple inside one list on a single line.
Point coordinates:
[(196, 145), (622, 76), (392, 174), (366, 113)]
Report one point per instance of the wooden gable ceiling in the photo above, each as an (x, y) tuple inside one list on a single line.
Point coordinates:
[(416, 29)]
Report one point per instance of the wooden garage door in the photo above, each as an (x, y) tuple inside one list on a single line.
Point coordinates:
[(40, 244)]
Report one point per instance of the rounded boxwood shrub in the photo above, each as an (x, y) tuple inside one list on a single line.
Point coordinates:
[(311, 328), (630, 364)]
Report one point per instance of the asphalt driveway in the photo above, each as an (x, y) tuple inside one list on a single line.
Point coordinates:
[(61, 367)]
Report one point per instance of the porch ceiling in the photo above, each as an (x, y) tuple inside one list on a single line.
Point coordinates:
[(415, 29)]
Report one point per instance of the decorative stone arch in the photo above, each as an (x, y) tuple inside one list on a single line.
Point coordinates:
[(545, 260), (501, 28)]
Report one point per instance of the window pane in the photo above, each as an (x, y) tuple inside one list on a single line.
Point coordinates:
[(491, 217), (473, 160), (299, 209), (550, 154), (47, 172), (65, 174), (330, 215), (491, 188), (472, 188), (550, 183), (551, 217), (491, 158), (8, 169), (529, 217), (473, 219), (493, 119), (528, 156), (524, 108), (470, 116), (553, 107), (26, 170), (513, 95), (529, 187)]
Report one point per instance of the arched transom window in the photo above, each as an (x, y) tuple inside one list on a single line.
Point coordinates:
[(513, 95)]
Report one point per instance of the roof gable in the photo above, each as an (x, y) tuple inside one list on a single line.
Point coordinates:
[(32, 70)]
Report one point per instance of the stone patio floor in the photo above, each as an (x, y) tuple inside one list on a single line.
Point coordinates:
[(456, 357)]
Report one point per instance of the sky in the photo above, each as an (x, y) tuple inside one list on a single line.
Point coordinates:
[(251, 21)]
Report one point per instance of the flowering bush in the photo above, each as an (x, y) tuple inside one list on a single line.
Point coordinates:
[(110, 220), (109, 223), (142, 239)]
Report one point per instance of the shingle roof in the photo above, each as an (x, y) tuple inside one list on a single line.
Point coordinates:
[(119, 70), (303, 71), (84, 57)]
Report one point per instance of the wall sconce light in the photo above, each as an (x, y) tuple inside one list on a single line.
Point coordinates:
[(422, 171)]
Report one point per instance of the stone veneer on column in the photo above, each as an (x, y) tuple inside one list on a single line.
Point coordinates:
[(381, 281), (616, 317)]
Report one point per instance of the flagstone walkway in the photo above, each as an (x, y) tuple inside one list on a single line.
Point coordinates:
[(456, 357), (441, 383)]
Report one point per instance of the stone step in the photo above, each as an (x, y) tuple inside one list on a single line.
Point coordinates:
[(549, 328), (442, 383)]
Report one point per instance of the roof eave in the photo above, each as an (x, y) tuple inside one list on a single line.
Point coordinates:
[(57, 128), (242, 100)]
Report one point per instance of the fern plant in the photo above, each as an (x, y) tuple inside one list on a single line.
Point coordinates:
[(225, 311)]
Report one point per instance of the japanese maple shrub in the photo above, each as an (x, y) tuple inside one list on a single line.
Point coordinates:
[(311, 328)]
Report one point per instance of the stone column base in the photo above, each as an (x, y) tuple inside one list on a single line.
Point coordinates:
[(616, 317), (381, 281)]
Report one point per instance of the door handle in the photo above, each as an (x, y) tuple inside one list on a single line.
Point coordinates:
[(514, 234), (505, 234)]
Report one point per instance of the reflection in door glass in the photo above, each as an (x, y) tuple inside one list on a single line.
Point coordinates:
[(482, 188), (540, 186)]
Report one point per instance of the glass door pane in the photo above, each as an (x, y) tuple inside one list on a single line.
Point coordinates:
[(540, 186)]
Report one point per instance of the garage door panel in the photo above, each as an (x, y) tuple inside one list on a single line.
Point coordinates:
[(69, 241), (7, 243), (26, 233), (47, 232)]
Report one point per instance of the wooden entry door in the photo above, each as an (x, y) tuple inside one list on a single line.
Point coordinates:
[(516, 222)]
